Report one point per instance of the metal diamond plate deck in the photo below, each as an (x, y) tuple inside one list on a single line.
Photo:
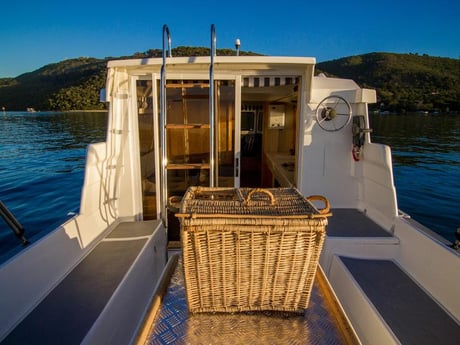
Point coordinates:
[(174, 325)]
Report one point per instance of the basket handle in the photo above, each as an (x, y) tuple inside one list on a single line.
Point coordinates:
[(326, 208), (259, 190)]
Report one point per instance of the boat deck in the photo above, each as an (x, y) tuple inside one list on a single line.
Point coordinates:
[(169, 321)]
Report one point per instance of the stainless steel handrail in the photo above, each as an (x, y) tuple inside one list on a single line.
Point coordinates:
[(164, 197), (211, 109), (13, 223)]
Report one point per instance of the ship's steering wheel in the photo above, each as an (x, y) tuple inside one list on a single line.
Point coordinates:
[(333, 113)]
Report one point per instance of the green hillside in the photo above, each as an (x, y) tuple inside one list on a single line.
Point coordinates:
[(404, 82), (59, 86), (74, 84)]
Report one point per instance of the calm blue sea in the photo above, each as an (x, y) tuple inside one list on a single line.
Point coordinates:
[(426, 166), (42, 160)]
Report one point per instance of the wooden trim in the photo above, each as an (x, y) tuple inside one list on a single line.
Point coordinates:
[(188, 166), (155, 305), (187, 86), (187, 126), (251, 216), (343, 324)]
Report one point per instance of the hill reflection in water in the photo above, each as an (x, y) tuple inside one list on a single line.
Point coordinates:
[(426, 164)]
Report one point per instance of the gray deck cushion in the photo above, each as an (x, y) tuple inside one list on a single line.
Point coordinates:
[(411, 313), (66, 315), (348, 222)]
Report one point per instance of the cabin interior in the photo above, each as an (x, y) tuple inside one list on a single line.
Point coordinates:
[(255, 137)]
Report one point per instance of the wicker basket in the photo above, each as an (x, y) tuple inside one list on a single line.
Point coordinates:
[(250, 249)]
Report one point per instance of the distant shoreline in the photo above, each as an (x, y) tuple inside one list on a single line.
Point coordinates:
[(83, 111), (55, 111)]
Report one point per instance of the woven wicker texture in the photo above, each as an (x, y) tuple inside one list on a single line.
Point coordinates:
[(247, 250), (279, 202)]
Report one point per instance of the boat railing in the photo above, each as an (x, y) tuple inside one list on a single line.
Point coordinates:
[(166, 39), (211, 108), (13, 223), (456, 243)]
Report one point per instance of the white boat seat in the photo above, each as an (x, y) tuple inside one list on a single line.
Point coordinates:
[(348, 222), (413, 316), (71, 309)]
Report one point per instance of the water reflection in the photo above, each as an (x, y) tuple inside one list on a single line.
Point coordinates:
[(426, 162), (42, 161), (436, 133), (43, 154)]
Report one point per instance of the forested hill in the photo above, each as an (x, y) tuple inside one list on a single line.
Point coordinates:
[(67, 85), (74, 84), (404, 82)]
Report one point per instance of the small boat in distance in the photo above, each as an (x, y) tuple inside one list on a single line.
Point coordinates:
[(114, 273)]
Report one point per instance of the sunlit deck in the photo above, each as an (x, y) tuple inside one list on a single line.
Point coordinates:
[(169, 322)]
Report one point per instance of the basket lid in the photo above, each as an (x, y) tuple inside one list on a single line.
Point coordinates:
[(249, 202)]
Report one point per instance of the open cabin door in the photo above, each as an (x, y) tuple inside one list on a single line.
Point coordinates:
[(187, 140), (147, 116), (246, 137)]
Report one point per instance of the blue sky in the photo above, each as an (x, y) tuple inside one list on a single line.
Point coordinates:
[(36, 33)]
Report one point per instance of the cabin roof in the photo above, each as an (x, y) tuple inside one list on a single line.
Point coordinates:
[(236, 62)]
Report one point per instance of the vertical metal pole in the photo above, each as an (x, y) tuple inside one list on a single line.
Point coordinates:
[(164, 175), (211, 110), (13, 223), (237, 46)]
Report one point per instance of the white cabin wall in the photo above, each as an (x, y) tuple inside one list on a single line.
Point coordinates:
[(97, 197), (95, 204), (121, 181), (329, 169), (325, 154), (325, 161), (130, 182), (105, 180), (327, 165)]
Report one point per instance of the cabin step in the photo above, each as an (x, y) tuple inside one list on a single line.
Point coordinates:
[(381, 295), (349, 222), (352, 232)]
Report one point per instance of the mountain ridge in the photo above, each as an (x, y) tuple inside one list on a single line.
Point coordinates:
[(404, 82)]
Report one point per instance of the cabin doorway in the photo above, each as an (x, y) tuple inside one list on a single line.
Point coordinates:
[(251, 144), (148, 148), (187, 130), (254, 140), (269, 136), (187, 133)]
